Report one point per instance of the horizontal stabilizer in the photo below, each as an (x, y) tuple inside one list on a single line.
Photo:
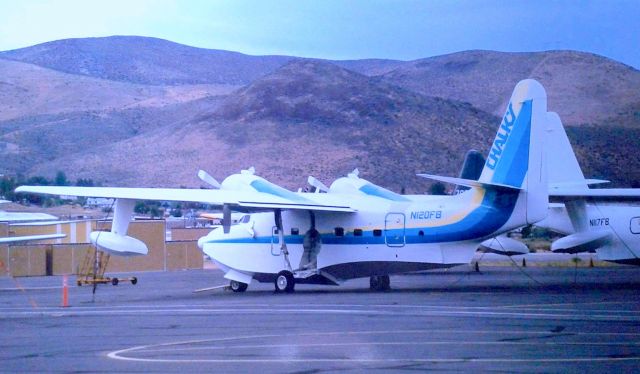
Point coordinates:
[(503, 245), (469, 182), (586, 241), (599, 193), (576, 184)]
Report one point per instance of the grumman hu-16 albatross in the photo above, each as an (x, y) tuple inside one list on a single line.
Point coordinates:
[(357, 229), (603, 220)]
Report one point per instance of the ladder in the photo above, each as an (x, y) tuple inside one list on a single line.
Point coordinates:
[(92, 269)]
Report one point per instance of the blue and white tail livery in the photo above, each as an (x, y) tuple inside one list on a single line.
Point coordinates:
[(517, 156), (357, 229)]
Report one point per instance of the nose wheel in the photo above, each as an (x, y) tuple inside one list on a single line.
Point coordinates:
[(284, 282)]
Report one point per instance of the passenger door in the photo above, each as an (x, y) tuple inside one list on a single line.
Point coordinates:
[(394, 225)]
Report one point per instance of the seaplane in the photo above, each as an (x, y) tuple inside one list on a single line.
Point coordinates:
[(354, 228), (601, 220)]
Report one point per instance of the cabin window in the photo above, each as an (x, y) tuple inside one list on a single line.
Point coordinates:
[(357, 232), (339, 231), (295, 231), (377, 232), (420, 233)]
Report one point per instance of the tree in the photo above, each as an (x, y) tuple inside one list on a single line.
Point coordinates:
[(82, 182), (61, 179), (141, 207), (7, 185)]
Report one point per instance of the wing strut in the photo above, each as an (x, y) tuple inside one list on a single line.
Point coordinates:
[(283, 245)]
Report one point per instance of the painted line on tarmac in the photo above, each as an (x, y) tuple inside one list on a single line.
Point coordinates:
[(62, 312), (124, 354), (31, 288)]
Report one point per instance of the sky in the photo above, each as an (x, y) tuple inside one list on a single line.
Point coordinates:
[(349, 29)]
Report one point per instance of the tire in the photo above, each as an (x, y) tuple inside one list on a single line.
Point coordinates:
[(114, 281), (238, 286), (284, 282), (134, 281), (379, 283)]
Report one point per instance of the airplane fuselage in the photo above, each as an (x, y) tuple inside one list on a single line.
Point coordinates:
[(621, 220), (382, 237)]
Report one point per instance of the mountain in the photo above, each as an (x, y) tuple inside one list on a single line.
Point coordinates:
[(154, 61), (581, 87), (145, 60), (142, 111), (307, 117)]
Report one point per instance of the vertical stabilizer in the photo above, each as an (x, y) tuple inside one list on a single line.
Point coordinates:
[(565, 169), (517, 156)]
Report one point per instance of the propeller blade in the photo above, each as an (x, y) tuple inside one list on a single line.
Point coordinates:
[(317, 184), (208, 179)]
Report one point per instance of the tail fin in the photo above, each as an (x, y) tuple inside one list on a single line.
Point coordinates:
[(517, 157), (471, 169), (565, 171)]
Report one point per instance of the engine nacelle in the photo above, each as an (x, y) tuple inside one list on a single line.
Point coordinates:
[(354, 185), (248, 181)]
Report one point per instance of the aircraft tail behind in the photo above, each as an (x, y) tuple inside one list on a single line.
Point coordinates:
[(516, 158)]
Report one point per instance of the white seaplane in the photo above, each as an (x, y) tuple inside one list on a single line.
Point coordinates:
[(603, 220), (356, 229)]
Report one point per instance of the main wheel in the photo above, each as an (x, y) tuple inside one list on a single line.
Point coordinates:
[(380, 283), (134, 280), (284, 282), (238, 286), (114, 281)]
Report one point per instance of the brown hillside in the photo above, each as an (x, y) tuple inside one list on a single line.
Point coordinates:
[(131, 111), (309, 117), (582, 87)]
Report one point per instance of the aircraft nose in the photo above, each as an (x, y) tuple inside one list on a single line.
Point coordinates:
[(201, 242)]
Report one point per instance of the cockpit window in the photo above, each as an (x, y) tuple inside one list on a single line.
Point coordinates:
[(245, 219)]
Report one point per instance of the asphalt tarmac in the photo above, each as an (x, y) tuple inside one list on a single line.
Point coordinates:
[(504, 319)]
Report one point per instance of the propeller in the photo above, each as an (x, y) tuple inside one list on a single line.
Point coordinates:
[(208, 179), (317, 184)]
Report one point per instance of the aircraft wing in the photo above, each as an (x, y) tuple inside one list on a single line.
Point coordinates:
[(16, 239), (597, 194), (249, 200)]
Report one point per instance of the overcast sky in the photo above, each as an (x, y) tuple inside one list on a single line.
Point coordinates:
[(338, 29)]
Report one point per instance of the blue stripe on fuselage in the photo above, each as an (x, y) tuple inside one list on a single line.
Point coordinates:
[(493, 213)]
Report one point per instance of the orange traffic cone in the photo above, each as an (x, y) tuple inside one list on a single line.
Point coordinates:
[(65, 292)]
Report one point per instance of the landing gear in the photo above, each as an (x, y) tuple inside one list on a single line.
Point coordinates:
[(238, 286), (379, 283), (284, 282)]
